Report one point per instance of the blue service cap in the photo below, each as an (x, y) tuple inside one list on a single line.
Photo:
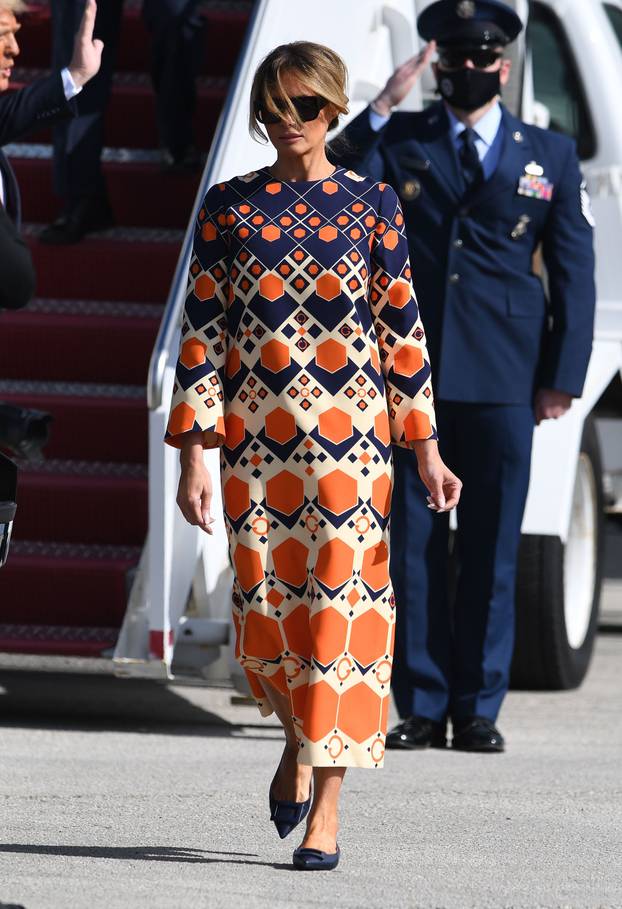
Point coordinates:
[(469, 23)]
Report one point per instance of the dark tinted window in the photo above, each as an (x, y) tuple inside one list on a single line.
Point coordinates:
[(556, 79), (615, 17)]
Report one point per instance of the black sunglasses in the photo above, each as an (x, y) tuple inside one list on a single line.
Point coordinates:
[(457, 57), (307, 107)]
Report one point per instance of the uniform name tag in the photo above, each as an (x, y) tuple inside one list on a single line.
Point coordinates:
[(535, 187)]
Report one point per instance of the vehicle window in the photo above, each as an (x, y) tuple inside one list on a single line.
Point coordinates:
[(556, 79), (615, 17)]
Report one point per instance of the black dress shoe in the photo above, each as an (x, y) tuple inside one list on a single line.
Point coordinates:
[(87, 215), (186, 160), (477, 733), (417, 732)]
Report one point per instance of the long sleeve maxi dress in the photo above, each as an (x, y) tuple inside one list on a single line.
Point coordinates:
[(302, 350)]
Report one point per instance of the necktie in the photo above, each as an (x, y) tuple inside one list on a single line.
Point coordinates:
[(469, 158)]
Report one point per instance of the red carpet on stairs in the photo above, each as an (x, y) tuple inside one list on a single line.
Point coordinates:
[(81, 350), (110, 343), (121, 264), (141, 195)]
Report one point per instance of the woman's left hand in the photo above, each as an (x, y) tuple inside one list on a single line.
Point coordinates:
[(443, 485)]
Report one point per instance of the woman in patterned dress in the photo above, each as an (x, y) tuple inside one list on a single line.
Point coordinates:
[(303, 357)]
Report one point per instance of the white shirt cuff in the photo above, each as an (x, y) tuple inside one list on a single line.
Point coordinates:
[(69, 86), (376, 120)]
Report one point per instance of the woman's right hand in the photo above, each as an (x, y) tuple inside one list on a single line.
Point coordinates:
[(402, 80), (194, 495)]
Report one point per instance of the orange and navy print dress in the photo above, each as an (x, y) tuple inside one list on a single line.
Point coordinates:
[(303, 351)]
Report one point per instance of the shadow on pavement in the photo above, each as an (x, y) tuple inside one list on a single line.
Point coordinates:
[(142, 853), (81, 702)]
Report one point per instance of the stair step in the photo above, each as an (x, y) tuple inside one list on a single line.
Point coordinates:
[(86, 343), (140, 263), (223, 34), (98, 422), (60, 640), (131, 115), (64, 584), (90, 502), (131, 188)]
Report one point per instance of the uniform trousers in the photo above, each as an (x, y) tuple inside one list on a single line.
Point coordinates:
[(454, 639), (175, 31)]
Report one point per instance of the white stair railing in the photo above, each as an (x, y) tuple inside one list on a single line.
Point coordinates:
[(372, 37)]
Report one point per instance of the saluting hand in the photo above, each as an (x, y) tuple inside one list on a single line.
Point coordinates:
[(403, 79), (87, 51)]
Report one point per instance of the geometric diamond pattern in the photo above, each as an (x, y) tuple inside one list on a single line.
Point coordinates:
[(302, 354)]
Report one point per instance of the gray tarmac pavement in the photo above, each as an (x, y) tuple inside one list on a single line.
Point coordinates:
[(116, 793)]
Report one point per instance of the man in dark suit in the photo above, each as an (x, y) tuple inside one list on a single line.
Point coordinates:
[(481, 191), (175, 26), (45, 101), (176, 29)]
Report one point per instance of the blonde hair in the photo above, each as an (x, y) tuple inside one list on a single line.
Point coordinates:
[(13, 6), (320, 68)]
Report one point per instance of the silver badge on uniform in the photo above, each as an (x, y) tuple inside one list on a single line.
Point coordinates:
[(586, 205), (534, 169), (520, 228), (465, 9), (410, 190)]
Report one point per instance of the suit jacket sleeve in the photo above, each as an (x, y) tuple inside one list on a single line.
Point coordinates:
[(40, 104), (569, 257), (17, 274), (358, 147)]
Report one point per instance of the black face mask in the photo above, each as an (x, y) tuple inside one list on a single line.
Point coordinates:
[(468, 89)]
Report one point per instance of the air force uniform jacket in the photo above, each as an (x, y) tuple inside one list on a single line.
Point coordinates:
[(493, 334)]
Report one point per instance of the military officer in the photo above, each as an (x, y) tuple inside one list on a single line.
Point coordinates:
[(481, 191)]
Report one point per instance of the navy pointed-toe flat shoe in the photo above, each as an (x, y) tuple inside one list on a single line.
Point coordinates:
[(287, 815), (315, 860)]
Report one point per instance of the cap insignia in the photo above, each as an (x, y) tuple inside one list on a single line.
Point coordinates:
[(465, 9)]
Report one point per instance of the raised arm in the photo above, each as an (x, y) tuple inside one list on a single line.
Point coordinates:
[(46, 101), (359, 146)]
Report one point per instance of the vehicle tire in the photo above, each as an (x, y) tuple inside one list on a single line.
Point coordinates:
[(558, 587)]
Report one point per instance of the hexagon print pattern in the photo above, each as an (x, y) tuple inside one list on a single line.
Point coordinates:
[(303, 356)]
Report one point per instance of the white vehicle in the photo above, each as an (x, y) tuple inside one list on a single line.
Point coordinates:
[(567, 73)]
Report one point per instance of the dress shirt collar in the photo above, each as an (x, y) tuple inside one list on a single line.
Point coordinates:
[(486, 128)]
